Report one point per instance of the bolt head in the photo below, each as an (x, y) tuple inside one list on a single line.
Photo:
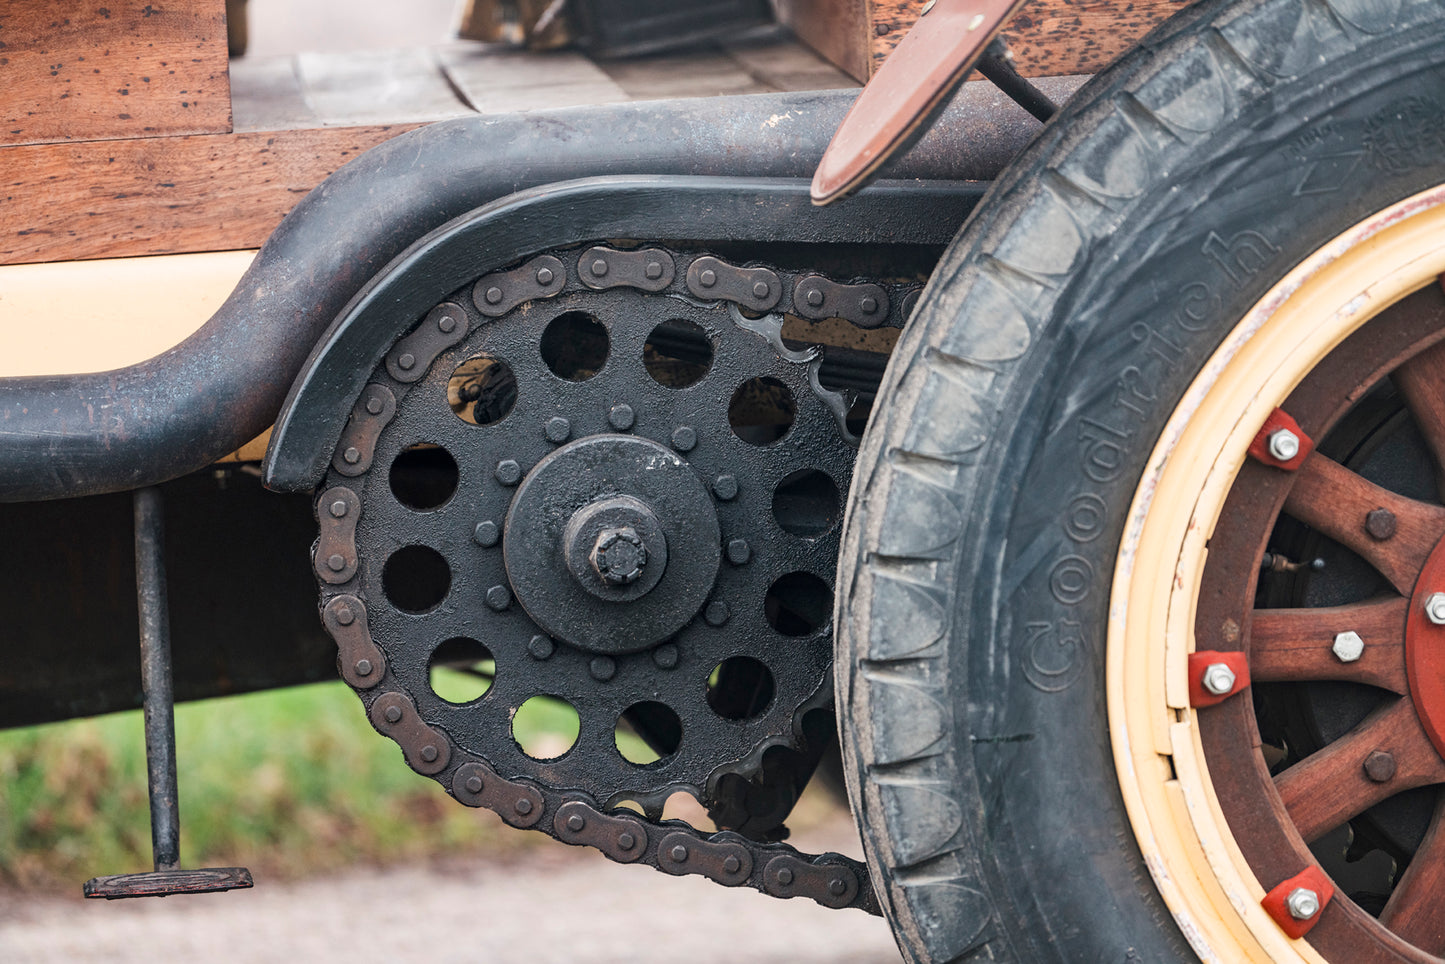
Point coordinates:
[(1435, 608), (558, 428), (725, 487), (602, 668), (338, 508), (499, 598), (739, 552), (621, 417), (1218, 679), (1283, 444), (1302, 903), (509, 472), (1380, 766), (541, 647), (1348, 646), (619, 556), (665, 656), (684, 438), (487, 534)]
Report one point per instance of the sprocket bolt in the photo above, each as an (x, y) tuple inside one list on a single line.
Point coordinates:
[(558, 429), (1302, 903), (1380, 766), (621, 417), (1218, 679), (541, 647), (739, 552), (619, 556), (499, 598), (665, 656), (509, 472), (602, 668), (716, 613), (725, 487), (684, 438), (487, 534), (1283, 444)]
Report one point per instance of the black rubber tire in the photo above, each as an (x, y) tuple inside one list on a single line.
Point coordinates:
[(1055, 338)]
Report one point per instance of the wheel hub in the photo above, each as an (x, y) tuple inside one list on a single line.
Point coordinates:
[(1425, 648), (605, 521)]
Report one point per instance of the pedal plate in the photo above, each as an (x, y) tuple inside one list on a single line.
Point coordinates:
[(163, 883)]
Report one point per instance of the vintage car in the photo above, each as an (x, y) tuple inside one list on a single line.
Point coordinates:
[(1083, 480)]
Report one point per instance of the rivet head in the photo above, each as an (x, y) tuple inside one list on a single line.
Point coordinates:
[(351, 456), (599, 267), (523, 806), (732, 864), (1218, 679), (665, 656), (869, 304), (1380, 524), (406, 362), (760, 289), (429, 753), (837, 887), (653, 270), (679, 853), (474, 784), (447, 324), (363, 667), (576, 822), (1435, 608), (345, 616), (684, 438), (814, 297), (544, 276), (336, 562), (1380, 766), (602, 668), (1302, 903), (499, 598), (1283, 444), (392, 714), (1348, 646), (338, 508), (625, 841), (558, 428), (725, 487), (487, 534), (621, 417), (707, 277), (493, 295), (716, 613), (785, 876), (541, 647), (509, 472), (739, 552), (374, 405)]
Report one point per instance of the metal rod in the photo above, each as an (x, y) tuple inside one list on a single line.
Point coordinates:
[(155, 675), (997, 65)]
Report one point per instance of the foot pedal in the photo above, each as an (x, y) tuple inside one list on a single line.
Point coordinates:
[(160, 731), (163, 883)]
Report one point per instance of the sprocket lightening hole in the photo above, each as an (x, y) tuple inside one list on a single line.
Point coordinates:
[(762, 410), (461, 670), (416, 578), (546, 727), (574, 346), (648, 732), (740, 688), (482, 390), (798, 604), (805, 503), (423, 476), (678, 353)]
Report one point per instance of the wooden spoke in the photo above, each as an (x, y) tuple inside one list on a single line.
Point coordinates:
[(1331, 786), (1330, 498), (1421, 381), (1297, 645), (1416, 911)]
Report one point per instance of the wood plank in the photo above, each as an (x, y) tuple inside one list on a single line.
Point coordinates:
[(494, 81), (266, 95), (836, 29), (73, 70), (111, 199), (788, 65), (698, 74), (354, 88)]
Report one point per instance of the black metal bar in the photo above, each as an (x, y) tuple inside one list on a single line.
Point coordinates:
[(70, 435), (155, 675), (997, 64)]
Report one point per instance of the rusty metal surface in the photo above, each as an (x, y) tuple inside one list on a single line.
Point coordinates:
[(166, 883), (373, 409), (647, 269), (500, 292), (66, 436)]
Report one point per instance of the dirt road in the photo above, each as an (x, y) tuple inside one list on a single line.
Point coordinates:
[(556, 906)]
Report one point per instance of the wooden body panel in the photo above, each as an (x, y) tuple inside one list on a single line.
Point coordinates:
[(74, 70)]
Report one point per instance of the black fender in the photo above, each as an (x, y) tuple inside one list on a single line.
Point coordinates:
[(73, 435)]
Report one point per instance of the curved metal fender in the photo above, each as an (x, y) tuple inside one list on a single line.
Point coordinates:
[(653, 208), (63, 436)]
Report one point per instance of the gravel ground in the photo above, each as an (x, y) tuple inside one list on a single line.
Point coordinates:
[(558, 905)]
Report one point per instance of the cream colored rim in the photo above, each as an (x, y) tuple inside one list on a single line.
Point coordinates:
[(1180, 827)]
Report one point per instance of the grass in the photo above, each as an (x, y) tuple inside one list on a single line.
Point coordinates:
[(286, 782)]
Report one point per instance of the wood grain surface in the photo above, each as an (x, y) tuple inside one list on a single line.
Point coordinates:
[(216, 192), (75, 70)]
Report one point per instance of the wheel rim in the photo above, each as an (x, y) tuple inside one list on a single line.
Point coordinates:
[(1217, 830)]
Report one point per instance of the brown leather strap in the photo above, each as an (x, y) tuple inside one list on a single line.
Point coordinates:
[(907, 92)]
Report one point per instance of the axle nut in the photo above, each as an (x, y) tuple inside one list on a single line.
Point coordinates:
[(1435, 608), (1283, 444), (1348, 646), (1218, 679), (619, 556), (1302, 903)]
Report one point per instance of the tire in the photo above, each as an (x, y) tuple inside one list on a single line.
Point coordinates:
[(1110, 273)]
